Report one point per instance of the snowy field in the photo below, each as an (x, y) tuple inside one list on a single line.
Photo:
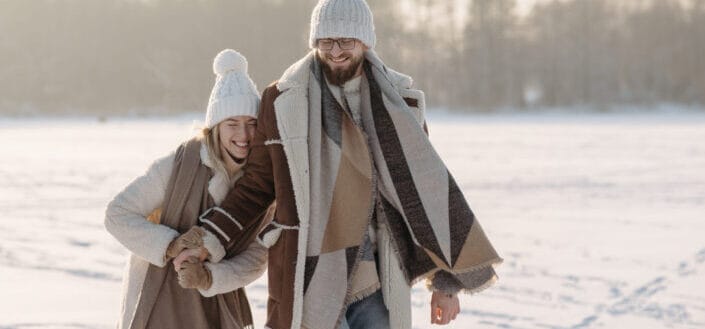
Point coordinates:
[(600, 218)]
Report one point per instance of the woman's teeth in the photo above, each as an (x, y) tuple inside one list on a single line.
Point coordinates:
[(242, 144)]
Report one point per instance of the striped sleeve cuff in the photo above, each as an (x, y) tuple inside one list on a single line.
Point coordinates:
[(219, 222)]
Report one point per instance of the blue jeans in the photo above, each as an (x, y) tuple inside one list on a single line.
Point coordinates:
[(367, 313)]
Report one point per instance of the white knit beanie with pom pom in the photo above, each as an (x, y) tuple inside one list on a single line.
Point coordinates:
[(234, 93)]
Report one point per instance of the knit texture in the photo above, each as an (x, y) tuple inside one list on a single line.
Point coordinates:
[(234, 93), (342, 19)]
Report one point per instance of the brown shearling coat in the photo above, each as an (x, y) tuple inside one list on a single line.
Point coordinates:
[(268, 176)]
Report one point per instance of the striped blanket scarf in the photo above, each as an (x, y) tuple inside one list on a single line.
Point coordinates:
[(384, 169)]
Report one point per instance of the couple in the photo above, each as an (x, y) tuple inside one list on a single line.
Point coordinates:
[(364, 205)]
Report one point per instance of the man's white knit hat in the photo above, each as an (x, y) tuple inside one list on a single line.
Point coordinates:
[(342, 19), (234, 93)]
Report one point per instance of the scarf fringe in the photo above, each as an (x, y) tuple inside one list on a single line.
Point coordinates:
[(367, 292), (481, 288), (490, 263), (413, 281)]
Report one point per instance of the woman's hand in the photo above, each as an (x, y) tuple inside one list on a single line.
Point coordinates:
[(199, 254), (192, 239), (192, 274)]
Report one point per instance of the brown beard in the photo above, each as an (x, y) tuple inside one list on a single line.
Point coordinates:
[(339, 77)]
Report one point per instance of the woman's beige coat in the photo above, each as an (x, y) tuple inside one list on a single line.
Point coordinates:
[(126, 219)]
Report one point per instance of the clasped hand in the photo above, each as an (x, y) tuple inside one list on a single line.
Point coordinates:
[(189, 256)]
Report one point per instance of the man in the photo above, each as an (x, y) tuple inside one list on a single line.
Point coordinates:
[(365, 207)]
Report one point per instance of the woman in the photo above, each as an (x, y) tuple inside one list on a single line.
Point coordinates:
[(150, 214)]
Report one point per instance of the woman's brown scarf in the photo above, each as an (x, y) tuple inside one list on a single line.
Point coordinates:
[(165, 304)]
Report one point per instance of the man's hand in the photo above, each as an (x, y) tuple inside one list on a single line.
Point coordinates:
[(200, 254), (444, 307), (193, 275)]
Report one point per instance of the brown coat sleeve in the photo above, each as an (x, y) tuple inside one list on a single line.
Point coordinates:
[(248, 201)]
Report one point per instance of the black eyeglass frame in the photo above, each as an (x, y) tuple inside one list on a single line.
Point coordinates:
[(343, 43)]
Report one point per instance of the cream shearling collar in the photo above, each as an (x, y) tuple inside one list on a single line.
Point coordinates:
[(219, 184)]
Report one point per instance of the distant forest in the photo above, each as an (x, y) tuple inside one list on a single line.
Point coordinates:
[(120, 56)]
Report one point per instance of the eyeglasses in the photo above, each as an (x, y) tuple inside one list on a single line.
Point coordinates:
[(343, 44)]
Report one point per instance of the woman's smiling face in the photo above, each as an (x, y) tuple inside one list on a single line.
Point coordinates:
[(236, 134)]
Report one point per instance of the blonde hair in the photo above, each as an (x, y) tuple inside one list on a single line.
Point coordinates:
[(211, 137)]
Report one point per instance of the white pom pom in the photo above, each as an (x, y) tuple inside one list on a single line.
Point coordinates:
[(229, 60)]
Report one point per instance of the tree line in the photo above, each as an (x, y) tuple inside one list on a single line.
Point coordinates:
[(154, 56)]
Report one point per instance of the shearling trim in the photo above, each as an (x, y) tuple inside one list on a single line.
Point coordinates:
[(205, 159), (296, 74), (222, 211), (291, 110), (284, 227), (270, 238), (215, 227), (212, 244), (300, 187), (219, 184), (273, 141)]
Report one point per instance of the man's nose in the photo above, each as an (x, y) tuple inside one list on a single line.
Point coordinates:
[(335, 51)]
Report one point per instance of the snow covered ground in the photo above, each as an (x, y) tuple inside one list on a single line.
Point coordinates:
[(600, 218)]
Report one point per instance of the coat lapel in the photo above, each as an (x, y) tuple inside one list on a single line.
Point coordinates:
[(291, 111), (292, 115)]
